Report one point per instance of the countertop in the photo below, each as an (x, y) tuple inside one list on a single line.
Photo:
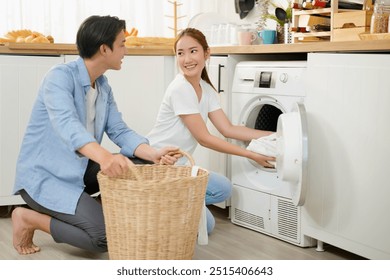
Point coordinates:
[(58, 49), (376, 46), (352, 46)]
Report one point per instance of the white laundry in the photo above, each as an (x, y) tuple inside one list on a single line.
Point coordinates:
[(264, 145)]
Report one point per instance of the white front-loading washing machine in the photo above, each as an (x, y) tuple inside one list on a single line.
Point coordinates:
[(269, 95)]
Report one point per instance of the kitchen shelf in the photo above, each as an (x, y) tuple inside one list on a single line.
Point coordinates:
[(314, 36), (324, 11)]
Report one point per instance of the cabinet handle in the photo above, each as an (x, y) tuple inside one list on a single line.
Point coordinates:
[(219, 78)]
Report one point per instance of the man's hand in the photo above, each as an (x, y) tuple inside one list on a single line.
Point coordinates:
[(115, 165)]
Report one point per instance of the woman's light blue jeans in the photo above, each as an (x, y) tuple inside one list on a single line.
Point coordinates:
[(219, 188)]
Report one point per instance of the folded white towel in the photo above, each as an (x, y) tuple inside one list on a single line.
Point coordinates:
[(264, 145)]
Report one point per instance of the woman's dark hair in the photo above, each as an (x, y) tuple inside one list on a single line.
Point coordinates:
[(201, 39), (96, 31)]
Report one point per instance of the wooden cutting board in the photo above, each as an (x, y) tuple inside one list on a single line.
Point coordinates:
[(41, 46)]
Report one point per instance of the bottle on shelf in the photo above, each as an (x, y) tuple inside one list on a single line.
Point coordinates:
[(319, 27), (300, 29), (310, 5), (320, 4), (302, 6), (312, 28), (296, 6)]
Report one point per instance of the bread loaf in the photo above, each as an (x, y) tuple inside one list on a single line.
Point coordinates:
[(40, 39), (5, 40), (26, 36), (20, 39), (29, 38), (50, 38), (149, 41)]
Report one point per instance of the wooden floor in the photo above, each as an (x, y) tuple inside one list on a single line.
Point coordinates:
[(227, 242)]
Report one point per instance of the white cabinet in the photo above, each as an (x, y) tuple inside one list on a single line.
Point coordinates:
[(20, 77), (207, 158), (348, 113), (139, 88)]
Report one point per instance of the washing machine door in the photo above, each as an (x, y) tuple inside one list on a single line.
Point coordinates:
[(292, 151)]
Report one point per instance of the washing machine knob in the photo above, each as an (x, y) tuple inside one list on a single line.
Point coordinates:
[(283, 77)]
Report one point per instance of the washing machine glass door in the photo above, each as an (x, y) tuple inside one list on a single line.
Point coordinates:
[(292, 151), (261, 113)]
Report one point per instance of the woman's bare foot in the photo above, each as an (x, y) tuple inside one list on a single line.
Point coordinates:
[(23, 230)]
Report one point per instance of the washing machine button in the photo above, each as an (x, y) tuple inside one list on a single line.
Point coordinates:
[(283, 77)]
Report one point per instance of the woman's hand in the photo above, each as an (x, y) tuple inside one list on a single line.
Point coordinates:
[(164, 155), (169, 155), (263, 160)]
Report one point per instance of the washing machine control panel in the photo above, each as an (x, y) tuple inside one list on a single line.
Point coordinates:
[(267, 79), (285, 78), (264, 79)]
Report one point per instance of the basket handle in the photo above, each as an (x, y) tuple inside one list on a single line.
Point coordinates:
[(185, 154), (138, 176)]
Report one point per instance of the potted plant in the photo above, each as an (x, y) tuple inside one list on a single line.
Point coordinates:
[(281, 14)]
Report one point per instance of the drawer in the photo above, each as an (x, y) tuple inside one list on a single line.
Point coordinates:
[(349, 34), (352, 19)]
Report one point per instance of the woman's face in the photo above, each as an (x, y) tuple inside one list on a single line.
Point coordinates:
[(191, 57)]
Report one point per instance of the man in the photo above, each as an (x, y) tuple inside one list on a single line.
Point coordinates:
[(61, 147)]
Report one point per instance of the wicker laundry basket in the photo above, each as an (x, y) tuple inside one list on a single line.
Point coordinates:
[(153, 211)]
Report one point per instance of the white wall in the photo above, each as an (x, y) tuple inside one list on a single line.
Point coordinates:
[(227, 9), (61, 20)]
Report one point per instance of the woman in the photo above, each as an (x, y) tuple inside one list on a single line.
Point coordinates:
[(189, 100), (61, 153)]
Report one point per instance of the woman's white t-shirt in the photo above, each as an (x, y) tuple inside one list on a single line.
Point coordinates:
[(181, 99)]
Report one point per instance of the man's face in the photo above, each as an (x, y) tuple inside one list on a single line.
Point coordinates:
[(115, 56)]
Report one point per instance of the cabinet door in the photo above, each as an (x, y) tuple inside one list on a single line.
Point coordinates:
[(207, 158), (348, 114), (139, 88), (20, 77)]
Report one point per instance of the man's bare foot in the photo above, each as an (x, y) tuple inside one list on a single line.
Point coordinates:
[(23, 231)]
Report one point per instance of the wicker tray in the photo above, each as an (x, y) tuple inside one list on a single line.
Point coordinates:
[(374, 36), (153, 211)]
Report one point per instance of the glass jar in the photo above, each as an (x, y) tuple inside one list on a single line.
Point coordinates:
[(380, 18), (386, 12)]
